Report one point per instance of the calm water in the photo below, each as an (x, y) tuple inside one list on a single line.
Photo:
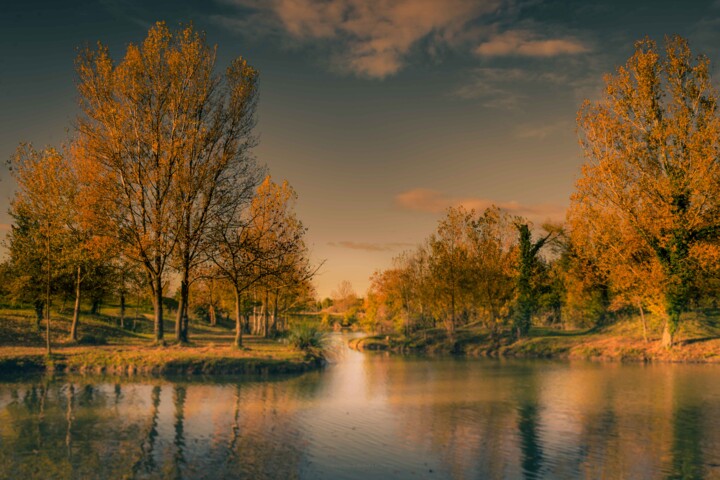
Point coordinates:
[(372, 416)]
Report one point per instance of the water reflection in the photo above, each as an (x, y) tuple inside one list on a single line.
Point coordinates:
[(372, 416)]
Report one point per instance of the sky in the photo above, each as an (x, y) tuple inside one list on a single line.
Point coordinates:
[(380, 113)]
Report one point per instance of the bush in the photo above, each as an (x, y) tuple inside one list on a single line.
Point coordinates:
[(307, 338)]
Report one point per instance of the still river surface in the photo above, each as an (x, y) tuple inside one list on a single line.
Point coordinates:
[(372, 416)]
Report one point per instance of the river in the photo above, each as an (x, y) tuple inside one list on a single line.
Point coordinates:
[(372, 416)]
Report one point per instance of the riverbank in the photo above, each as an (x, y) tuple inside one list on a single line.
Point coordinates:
[(698, 341), (105, 348)]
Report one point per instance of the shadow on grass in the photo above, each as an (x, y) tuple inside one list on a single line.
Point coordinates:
[(690, 341)]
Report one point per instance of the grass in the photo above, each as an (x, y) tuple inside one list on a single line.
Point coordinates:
[(698, 340), (103, 347)]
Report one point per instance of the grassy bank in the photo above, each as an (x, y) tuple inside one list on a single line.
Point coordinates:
[(698, 340), (104, 347)]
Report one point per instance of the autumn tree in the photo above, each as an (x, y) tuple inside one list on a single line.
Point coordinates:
[(39, 240), (448, 262), (493, 266), (215, 168), (652, 145), (166, 134), (257, 241)]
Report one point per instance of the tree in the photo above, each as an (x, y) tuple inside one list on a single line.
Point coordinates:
[(215, 168), (449, 259), (493, 266), (42, 214), (255, 242), (166, 136), (527, 267), (344, 297), (652, 146)]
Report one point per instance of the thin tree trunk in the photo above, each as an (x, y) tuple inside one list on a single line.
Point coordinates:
[(122, 308), (213, 315), (238, 320), (158, 307), (266, 315), (39, 312), (274, 326), (47, 302), (644, 323), (76, 311), (181, 324)]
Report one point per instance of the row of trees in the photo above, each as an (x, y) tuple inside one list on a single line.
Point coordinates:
[(477, 267), (642, 232), (159, 180)]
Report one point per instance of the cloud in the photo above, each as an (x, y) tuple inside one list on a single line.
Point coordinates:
[(524, 43), (370, 38), (371, 247), (540, 132), (432, 201), (507, 88)]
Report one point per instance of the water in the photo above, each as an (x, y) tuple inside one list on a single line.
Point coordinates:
[(372, 416)]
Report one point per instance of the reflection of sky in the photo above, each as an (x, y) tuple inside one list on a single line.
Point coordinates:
[(380, 114), (373, 416)]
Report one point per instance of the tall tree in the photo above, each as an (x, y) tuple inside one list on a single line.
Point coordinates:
[(527, 266), (215, 160), (493, 266), (166, 135), (449, 259), (652, 146)]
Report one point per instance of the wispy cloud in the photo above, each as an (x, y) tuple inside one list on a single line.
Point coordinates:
[(370, 38), (524, 43), (433, 201), (540, 132), (509, 87), (371, 247)]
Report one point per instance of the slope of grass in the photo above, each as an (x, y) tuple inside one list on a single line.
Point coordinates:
[(698, 340), (106, 348)]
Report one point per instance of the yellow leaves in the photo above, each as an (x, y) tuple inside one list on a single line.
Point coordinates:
[(651, 179)]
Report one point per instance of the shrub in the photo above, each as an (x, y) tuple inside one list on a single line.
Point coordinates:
[(307, 338)]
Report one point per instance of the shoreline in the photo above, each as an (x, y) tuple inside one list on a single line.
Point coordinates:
[(155, 362), (601, 346)]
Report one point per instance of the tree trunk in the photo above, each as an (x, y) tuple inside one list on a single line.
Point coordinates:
[(181, 324), (238, 320), (671, 324), (213, 315), (39, 312), (47, 302), (122, 309), (266, 315), (273, 327), (158, 307), (644, 323), (76, 311)]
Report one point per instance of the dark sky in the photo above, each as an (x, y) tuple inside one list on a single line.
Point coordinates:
[(380, 113)]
